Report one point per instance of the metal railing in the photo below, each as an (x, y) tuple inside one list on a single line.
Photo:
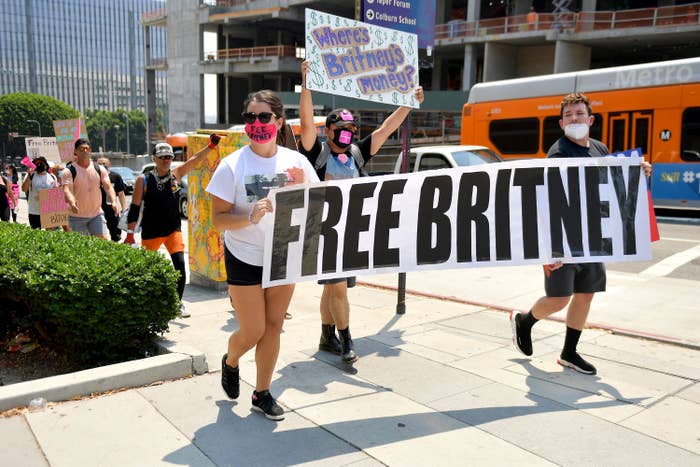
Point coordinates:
[(579, 22), (251, 52), (153, 15)]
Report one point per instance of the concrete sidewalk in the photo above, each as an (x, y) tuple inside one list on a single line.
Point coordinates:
[(440, 385)]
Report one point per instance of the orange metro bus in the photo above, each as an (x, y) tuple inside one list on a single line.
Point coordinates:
[(653, 106)]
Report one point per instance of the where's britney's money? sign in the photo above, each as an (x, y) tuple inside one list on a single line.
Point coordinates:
[(355, 59)]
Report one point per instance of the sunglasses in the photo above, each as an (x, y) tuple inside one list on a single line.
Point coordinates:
[(167, 157), (264, 117)]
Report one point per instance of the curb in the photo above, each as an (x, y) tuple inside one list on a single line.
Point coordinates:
[(106, 378), (606, 327)]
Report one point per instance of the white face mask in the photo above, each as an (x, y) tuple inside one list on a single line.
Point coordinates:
[(576, 131)]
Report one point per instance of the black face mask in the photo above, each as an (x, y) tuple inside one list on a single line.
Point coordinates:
[(342, 138)]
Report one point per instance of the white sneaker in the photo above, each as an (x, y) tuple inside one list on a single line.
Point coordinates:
[(183, 312)]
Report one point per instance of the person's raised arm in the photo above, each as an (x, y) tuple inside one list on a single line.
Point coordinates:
[(393, 121), (182, 170), (306, 111)]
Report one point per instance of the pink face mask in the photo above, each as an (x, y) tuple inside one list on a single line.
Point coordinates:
[(261, 132)]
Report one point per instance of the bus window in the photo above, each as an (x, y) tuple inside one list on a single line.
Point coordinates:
[(640, 131), (690, 135), (618, 133), (515, 136), (551, 132)]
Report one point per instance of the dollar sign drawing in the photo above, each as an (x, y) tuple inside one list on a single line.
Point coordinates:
[(333, 84), (317, 77), (348, 85), (314, 21), (395, 97), (357, 93), (393, 36), (381, 99), (404, 99), (409, 48), (379, 38), (337, 21)]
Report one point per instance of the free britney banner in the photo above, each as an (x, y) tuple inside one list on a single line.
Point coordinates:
[(511, 213), (360, 60)]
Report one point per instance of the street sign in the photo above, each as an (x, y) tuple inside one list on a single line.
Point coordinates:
[(414, 16)]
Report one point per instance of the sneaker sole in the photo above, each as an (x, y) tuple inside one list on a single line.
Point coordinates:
[(267, 415), (515, 334), (566, 364)]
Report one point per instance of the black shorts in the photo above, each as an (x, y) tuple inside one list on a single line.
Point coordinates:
[(240, 273), (351, 281), (574, 278)]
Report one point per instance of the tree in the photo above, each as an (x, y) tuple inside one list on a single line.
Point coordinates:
[(16, 111), (108, 129)]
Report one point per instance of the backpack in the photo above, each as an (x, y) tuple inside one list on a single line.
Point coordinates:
[(73, 171), (325, 153)]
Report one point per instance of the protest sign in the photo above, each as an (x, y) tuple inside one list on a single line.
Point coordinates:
[(42, 147), (506, 214), (67, 132), (53, 209), (355, 59)]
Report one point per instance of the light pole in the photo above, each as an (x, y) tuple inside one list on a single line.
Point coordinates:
[(116, 137), (37, 124)]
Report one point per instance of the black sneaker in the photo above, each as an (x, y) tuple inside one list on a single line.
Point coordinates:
[(522, 339), (576, 362), (230, 379), (265, 403)]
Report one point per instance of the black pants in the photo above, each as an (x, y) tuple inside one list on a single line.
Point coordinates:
[(112, 220)]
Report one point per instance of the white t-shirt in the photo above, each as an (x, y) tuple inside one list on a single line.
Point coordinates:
[(39, 182), (241, 179)]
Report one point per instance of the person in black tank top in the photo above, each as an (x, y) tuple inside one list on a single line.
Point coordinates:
[(158, 192)]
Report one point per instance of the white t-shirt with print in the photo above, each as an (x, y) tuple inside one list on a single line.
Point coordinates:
[(39, 182), (241, 179)]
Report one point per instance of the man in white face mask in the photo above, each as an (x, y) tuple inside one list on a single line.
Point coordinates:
[(572, 284)]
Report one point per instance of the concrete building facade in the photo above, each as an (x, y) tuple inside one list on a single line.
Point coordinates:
[(255, 44)]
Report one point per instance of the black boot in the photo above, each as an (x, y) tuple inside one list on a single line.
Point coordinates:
[(329, 342), (348, 355)]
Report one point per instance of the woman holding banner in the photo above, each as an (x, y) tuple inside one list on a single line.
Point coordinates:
[(239, 189)]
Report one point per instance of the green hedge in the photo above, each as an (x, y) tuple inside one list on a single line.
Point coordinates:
[(101, 301)]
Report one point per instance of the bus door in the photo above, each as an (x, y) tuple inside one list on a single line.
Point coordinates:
[(641, 132)]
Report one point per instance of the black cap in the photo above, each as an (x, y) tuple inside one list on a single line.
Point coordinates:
[(340, 117), (79, 142)]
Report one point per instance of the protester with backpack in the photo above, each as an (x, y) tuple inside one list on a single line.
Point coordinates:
[(81, 181), (339, 158), (39, 178), (155, 198)]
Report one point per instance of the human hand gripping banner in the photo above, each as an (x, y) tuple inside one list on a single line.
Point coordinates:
[(506, 214), (360, 60)]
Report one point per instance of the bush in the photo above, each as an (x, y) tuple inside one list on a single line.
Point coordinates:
[(102, 301)]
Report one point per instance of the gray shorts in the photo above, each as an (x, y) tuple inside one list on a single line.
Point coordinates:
[(350, 280), (89, 225), (575, 278)]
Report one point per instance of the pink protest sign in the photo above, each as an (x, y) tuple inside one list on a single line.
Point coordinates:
[(67, 131), (52, 208)]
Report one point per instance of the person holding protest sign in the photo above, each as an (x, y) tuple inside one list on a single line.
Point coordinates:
[(572, 284), (38, 178), (81, 181), (118, 184), (239, 189), (339, 157), (158, 191)]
